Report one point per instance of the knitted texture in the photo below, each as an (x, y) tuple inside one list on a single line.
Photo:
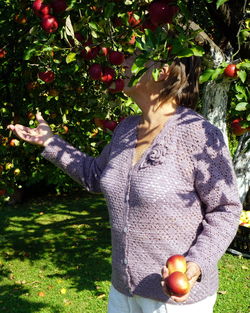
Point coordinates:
[(180, 198)]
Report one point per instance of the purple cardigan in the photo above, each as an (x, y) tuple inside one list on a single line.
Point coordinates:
[(180, 198)]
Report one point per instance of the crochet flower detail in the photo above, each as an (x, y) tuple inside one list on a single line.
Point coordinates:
[(157, 154)]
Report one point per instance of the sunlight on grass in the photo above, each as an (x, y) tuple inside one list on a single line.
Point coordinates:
[(55, 257)]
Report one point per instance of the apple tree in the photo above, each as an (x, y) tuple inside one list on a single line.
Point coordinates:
[(64, 58)]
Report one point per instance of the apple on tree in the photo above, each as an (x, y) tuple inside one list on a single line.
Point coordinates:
[(116, 86), (95, 71), (59, 6), (49, 23), (109, 124), (40, 8), (108, 75), (47, 76), (162, 11), (230, 70), (3, 53), (116, 57), (237, 128)]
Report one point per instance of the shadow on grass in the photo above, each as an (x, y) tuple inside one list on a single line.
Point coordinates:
[(11, 301), (72, 233)]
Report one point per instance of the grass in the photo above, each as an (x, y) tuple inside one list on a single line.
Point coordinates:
[(55, 258)]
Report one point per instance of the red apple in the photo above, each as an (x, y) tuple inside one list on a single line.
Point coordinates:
[(3, 53), (95, 71), (2, 192), (49, 23), (47, 76), (98, 122), (133, 22), (161, 12), (177, 284), (177, 263), (59, 6), (108, 124), (37, 4), (117, 85), (53, 92), (116, 57), (40, 8), (108, 75), (89, 52), (237, 128), (104, 51), (14, 142), (79, 37), (230, 70), (20, 19)]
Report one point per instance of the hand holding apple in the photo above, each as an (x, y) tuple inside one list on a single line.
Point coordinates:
[(182, 281), (41, 135)]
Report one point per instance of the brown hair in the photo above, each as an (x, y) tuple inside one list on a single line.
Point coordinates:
[(183, 81)]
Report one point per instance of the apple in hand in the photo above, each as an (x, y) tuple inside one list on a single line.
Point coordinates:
[(177, 284), (177, 263)]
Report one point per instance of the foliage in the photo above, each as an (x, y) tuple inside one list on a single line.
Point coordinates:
[(72, 102)]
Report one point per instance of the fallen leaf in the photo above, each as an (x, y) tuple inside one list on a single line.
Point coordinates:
[(63, 291), (244, 267), (101, 296), (66, 302), (222, 292)]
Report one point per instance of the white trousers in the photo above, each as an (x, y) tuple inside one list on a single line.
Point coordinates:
[(119, 303)]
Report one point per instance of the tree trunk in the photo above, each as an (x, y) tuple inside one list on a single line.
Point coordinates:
[(214, 100)]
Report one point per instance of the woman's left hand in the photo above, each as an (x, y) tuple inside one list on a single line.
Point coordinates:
[(193, 273)]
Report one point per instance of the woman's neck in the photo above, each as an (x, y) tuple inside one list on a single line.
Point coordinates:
[(157, 114)]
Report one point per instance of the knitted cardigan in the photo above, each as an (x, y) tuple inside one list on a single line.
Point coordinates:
[(179, 198)]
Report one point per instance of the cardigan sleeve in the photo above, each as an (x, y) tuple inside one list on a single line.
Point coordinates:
[(84, 169), (215, 183)]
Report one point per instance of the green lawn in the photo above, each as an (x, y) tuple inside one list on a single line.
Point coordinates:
[(55, 258)]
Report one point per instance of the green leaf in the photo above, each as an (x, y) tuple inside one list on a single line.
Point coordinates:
[(138, 64), (248, 118), (198, 51), (220, 2), (135, 78), (93, 26), (108, 9), (29, 54), (218, 71), (242, 106), (242, 75), (70, 57), (206, 75), (155, 73)]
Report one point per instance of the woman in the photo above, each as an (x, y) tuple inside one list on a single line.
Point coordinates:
[(170, 188)]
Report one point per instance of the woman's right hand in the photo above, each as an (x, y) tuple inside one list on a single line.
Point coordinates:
[(41, 135)]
